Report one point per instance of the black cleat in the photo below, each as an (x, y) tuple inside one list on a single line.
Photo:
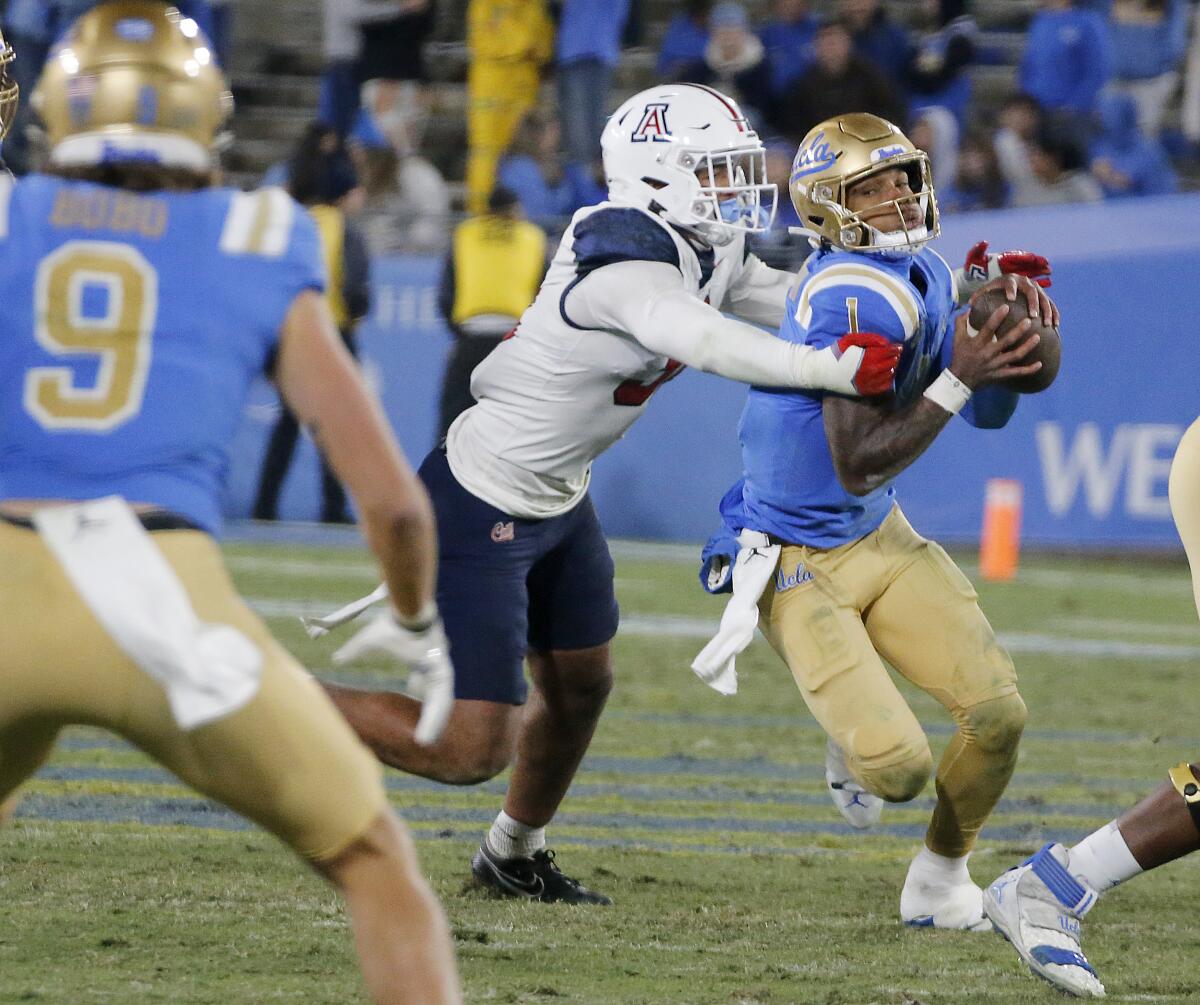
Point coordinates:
[(536, 878)]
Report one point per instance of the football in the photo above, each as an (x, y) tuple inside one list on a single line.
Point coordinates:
[(1048, 351)]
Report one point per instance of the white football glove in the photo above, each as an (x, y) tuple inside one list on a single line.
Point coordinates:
[(427, 653)]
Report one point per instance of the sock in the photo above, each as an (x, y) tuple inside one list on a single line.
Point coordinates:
[(934, 868), (1103, 859), (510, 838)]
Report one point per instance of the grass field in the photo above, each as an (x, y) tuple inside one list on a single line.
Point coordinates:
[(704, 817)]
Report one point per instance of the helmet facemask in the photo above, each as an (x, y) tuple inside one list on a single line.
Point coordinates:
[(858, 234), (731, 194), (8, 89)]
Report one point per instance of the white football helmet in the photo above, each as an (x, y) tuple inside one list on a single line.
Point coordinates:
[(686, 152)]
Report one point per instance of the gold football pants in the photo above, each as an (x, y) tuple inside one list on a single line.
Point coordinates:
[(1184, 490), (832, 613), (285, 760)]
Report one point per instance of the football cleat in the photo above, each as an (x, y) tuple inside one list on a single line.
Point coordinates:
[(535, 878), (929, 901), (1037, 907), (856, 804)]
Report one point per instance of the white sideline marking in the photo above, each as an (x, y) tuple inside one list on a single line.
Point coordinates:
[(1164, 583), (1187, 631), (703, 628), (295, 567)]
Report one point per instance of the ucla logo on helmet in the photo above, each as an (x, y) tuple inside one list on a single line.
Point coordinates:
[(653, 127), (816, 156), (883, 153), (135, 29)]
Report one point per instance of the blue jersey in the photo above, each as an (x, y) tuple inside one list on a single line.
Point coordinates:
[(791, 489), (133, 325)]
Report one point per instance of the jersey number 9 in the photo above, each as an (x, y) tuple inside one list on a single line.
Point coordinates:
[(94, 299)]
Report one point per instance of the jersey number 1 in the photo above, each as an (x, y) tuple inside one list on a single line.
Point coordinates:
[(95, 299)]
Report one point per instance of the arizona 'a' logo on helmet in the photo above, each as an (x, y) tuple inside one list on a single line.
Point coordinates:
[(8, 88), (133, 80), (686, 153), (839, 153), (653, 125)]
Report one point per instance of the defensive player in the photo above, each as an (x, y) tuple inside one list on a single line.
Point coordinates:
[(139, 303), (850, 581), (633, 294), (1037, 905)]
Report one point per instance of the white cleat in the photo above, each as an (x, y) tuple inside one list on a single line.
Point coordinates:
[(856, 804), (1037, 907), (929, 901)]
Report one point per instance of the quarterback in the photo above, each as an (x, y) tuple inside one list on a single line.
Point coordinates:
[(1038, 905), (634, 293), (839, 576), (139, 303)]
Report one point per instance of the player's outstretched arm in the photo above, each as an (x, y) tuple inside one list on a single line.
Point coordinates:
[(759, 293), (325, 389), (648, 300), (870, 445)]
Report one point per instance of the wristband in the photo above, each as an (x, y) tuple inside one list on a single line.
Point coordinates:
[(419, 622), (949, 392)]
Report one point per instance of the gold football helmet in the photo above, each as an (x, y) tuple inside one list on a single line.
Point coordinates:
[(841, 152), (133, 80), (8, 88)]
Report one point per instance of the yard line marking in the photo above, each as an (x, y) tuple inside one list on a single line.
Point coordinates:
[(1175, 630), (633, 793), (196, 812), (673, 626), (704, 767)]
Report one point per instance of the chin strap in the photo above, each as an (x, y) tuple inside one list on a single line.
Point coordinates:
[(1186, 785)]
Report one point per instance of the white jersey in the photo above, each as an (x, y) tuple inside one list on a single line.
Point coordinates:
[(573, 377)]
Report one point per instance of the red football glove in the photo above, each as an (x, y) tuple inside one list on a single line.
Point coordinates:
[(877, 370), (980, 266)]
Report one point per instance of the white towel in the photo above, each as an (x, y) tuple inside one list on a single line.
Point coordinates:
[(207, 670), (753, 569)]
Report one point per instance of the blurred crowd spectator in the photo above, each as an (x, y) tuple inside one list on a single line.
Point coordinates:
[(1149, 40), (1105, 100)]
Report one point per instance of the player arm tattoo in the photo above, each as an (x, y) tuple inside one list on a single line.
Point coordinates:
[(870, 444)]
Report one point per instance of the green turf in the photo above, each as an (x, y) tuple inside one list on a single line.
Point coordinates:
[(704, 817)]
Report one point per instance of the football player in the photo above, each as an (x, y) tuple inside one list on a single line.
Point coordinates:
[(848, 581), (139, 303), (633, 295), (1037, 906)]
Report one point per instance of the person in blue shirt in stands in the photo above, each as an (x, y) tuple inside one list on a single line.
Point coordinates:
[(586, 50), (1124, 161), (1149, 43), (141, 301), (1068, 57), (684, 40), (788, 39)]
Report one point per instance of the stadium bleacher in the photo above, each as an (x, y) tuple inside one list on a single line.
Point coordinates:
[(275, 75)]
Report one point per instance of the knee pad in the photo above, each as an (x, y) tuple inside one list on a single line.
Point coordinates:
[(996, 724), (900, 781)]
